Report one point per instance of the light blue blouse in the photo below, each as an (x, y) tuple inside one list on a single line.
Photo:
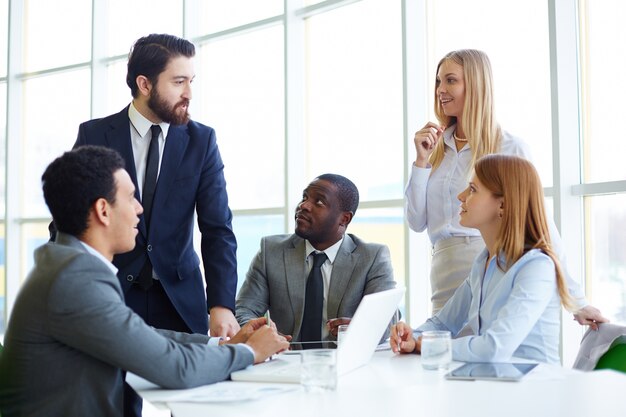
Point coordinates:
[(512, 313)]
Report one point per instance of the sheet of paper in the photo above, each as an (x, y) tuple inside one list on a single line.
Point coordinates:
[(227, 392)]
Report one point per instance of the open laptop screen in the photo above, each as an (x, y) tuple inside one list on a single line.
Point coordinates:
[(325, 344)]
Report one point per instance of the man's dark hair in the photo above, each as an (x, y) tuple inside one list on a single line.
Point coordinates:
[(75, 180), (149, 57), (347, 193)]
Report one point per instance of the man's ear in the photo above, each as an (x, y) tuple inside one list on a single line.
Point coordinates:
[(101, 211), (143, 85), (346, 218)]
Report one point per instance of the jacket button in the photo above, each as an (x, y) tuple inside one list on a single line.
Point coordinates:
[(149, 248), (130, 278)]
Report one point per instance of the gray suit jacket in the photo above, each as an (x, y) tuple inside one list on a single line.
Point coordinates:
[(70, 335), (276, 280)]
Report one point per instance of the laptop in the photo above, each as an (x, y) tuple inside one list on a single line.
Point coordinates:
[(368, 325)]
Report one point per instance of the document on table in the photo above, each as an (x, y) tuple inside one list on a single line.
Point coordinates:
[(226, 392)]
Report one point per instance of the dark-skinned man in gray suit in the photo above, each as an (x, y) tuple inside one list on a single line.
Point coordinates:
[(279, 274)]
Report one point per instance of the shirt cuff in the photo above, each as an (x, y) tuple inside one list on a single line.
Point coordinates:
[(214, 341)]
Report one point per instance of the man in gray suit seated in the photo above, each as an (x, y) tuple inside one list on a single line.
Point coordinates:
[(70, 334), (305, 300)]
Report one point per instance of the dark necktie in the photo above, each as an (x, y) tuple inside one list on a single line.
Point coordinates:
[(147, 195), (311, 329)]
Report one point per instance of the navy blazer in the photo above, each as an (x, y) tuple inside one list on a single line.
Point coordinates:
[(191, 177)]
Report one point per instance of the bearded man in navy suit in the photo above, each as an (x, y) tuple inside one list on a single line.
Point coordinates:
[(161, 277)]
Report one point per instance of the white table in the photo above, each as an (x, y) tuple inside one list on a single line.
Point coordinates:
[(392, 385)]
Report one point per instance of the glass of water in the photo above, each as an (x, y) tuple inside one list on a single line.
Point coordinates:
[(436, 349), (319, 370), (341, 332)]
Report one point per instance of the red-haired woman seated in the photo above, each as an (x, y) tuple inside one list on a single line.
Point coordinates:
[(513, 295)]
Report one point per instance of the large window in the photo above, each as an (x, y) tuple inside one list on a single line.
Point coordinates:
[(3, 98), (54, 38), (520, 60), (327, 86), (127, 21), (241, 95), (604, 178), (216, 16), (48, 131), (606, 266), (4, 20), (354, 97), (604, 145)]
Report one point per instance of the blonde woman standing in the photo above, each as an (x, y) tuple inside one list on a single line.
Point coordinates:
[(445, 154), (511, 299)]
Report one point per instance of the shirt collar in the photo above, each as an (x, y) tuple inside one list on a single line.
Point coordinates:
[(143, 125), (482, 258), (331, 252), (449, 141), (99, 256)]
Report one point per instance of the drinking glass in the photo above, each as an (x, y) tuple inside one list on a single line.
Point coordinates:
[(319, 370), (436, 349)]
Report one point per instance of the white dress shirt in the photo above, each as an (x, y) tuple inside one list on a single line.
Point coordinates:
[(327, 270), (140, 137), (430, 197), (519, 314), (98, 255)]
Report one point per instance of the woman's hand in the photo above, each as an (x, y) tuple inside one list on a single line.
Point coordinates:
[(401, 338), (590, 316), (425, 141)]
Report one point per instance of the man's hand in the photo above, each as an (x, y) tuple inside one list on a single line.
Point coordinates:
[(247, 330), (333, 324), (222, 322), (401, 339), (263, 339), (591, 316)]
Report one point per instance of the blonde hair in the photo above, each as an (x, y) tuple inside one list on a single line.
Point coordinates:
[(479, 123), (524, 223)]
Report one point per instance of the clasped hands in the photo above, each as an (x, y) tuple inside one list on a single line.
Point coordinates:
[(264, 340)]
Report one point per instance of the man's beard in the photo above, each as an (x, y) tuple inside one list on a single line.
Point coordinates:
[(165, 112)]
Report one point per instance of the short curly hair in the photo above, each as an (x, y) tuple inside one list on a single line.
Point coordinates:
[(347, 193), (75, 180)]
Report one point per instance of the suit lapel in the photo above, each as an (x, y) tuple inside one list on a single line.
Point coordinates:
[(344, 265), (118, 138), (175, 145), (295, 274)]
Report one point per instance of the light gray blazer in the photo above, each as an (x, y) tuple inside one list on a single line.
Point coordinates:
[(277, 277), (596, 343), (70, 335)]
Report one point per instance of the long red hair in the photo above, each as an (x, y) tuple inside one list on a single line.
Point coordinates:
[(524, 223)]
